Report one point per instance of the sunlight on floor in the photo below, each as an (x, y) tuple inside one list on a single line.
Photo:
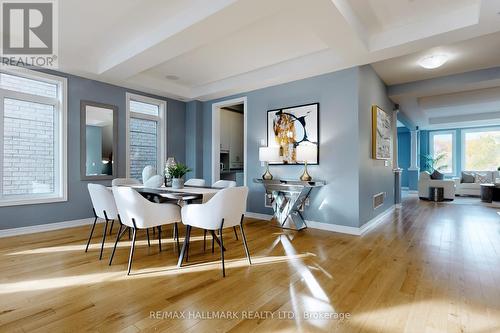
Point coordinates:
[(376, 320), (319, 302), (88, 279)]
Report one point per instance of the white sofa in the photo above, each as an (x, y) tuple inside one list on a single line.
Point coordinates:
[(425, 182), (474, 189)]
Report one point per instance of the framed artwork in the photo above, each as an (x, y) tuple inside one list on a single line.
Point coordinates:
[(381, 134), (291, 127)]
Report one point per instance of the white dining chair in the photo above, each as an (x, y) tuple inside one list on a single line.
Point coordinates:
[(135, 212), (125, 182), (224, 184), (195, 182), (104, 207), (148, 172), (226, 209)]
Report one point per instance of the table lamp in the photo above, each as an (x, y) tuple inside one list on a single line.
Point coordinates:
[(307, 153), (269, 154)]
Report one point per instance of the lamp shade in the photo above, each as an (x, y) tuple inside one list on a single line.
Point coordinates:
[(307, 153), (269, 154)]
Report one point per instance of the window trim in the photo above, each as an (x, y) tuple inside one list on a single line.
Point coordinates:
[(161, 119), (61, 122), (464, 143), (453, 148)]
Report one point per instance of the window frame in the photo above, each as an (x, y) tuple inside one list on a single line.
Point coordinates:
[(161, 121), (453, 149), (60, 122), (464, 143)]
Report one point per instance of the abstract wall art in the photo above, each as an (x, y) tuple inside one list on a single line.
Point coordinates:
[(290, 127), (381, 134)]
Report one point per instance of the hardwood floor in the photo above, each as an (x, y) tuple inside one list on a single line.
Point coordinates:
[(428, 268)]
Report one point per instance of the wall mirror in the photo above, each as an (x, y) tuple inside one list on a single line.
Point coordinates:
[(98, 135)]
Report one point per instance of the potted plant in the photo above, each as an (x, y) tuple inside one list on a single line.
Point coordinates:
[(432, 163), (177, 171)]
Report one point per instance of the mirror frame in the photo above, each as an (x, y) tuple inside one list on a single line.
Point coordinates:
[(83, 139)]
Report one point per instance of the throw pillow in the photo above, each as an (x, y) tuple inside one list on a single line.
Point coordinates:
[(481, 178), (436, 175), (467, 178)]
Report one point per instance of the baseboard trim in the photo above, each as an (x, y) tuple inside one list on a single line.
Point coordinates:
[(376, 220), (44, 227), (335, 227)]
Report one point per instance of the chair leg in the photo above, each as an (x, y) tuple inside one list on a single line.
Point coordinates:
[(245, 242), (90, 236), (111, 229), (213, 241), (235, 233), (132, 248), (159, 236), (222, 250), (103, 237), (184, 246), (176, 233), (118, 236), (204, 239), (154, 232), (147, 233)]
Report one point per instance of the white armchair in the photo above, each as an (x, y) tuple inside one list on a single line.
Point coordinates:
[(136, 212), (104, 207), (425, 182), (125, 182), (224, 184), (195, 182), (225, 210)]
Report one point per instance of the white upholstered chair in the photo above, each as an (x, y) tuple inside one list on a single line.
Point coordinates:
[(135, 212), (195, 182), (125, 182), (104, 207), (224, 184), (226, 209), (425, 182), (155, 181), (148, 172)]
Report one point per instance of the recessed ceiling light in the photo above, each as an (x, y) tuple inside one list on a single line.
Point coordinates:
[(433, 61), (172, 77)]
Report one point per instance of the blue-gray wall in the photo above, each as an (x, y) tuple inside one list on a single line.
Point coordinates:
[(78, 205), (374, 176), (194, 139), (344, 159)]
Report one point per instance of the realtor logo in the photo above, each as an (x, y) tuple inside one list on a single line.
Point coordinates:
[(29, 33)]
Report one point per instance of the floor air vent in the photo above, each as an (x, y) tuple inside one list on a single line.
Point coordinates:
[(378, 200)]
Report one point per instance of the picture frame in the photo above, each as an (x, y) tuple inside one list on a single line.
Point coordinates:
[(381, 134), (289, 127)]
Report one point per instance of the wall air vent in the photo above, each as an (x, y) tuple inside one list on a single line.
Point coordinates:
[(378, 200)]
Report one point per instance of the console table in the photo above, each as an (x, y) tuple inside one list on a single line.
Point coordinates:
[(288, 197)]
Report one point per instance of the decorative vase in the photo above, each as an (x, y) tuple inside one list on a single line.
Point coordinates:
[(168, 179), (177, 183)]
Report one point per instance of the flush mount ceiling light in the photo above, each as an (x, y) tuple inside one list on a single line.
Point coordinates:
[(172, 77), (433, 61)]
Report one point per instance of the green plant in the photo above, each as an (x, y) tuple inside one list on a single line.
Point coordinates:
[(432, 163), (178, 170), (498, 168)]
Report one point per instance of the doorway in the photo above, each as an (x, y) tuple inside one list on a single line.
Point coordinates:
[(229, 141)]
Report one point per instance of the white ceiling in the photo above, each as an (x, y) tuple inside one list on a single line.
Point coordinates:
[(221, 47), (472, 54)]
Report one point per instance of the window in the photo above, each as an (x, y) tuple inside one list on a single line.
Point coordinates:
[(442, 145), (481, 149), (146, 134), (32, 137)]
